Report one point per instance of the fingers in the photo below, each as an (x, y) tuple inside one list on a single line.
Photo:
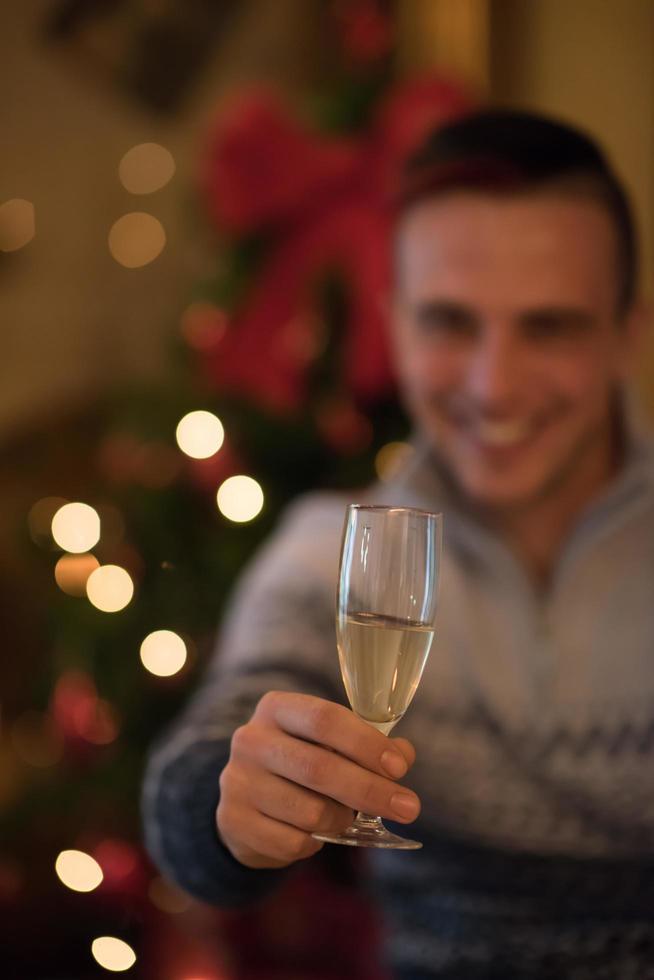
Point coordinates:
[(301, 765), (258, 841), (266, 822), (406, 748), (336, 727), (281, 800), (329, 774)]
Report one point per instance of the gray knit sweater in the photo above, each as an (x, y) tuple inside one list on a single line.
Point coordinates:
[(533, 725)]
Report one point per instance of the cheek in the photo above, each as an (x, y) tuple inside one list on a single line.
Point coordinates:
[(430, 369), (585, 380)]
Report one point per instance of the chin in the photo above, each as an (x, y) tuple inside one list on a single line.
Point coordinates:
[(500, 503), (499, 493)]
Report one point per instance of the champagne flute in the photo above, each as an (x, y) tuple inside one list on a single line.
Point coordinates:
[(385, 612)]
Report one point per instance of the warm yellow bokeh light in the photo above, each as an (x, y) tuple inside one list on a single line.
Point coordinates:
[(78, 871), (136, 239), (113, 954), (110, 588), (200, 434), (145, 168), (16, 224), (72, 571), (240, 499), (76, 527), (391, 458), (163, 653)]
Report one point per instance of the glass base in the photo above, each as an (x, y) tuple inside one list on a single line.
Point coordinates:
[(367, 831)]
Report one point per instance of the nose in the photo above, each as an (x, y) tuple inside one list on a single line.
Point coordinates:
[(494, 371)]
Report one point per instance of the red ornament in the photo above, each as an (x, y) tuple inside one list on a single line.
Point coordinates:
[(122, 865), (82, 718)]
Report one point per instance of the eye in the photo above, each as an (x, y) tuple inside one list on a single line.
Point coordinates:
[(446, 320), (556, 325)]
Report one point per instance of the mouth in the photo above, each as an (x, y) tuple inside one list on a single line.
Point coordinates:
[(501, 442), (499, 439), (501, 435)]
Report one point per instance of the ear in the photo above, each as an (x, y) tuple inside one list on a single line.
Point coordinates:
[(635, 330)]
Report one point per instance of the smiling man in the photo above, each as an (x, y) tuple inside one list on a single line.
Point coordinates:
[(530, 743), (512, 348)]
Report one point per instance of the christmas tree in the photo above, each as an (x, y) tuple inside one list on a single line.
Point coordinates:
[(282, 382)]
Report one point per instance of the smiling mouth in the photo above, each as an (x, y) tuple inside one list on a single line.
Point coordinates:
[(501, 434)]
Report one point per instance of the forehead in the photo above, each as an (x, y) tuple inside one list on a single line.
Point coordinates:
[(518, 249)]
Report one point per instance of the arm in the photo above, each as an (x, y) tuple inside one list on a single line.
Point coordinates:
[(279, 637)]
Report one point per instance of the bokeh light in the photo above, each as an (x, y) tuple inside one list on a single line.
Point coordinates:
[(17, 226), (72, 571), (167, 897), (163, 653), (76, 527), (136, 239), (200, 434), (78, 712), (391, 458), (39, 519), (203, 326), (112, 953), (146, 168), (240, 499), (100, 725), (119, 861), (110, 588), (78, 871)]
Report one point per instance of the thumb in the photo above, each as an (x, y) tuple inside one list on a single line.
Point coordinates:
[(404, 746)]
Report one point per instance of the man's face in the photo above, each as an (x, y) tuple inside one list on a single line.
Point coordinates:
[(509, 348)]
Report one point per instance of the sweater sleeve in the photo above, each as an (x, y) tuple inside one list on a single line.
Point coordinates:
[(179, 803), (279, 635)]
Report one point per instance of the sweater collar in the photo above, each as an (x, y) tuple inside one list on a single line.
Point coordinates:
[(425, 482)]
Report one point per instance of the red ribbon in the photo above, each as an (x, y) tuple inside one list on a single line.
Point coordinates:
[(324, 204)]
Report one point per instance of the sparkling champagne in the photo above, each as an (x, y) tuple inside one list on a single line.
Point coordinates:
[(382, 659)]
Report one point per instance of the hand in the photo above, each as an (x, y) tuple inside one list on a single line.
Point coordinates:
[(300, 765)]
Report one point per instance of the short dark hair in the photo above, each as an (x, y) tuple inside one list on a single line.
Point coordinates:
[(508, 151)]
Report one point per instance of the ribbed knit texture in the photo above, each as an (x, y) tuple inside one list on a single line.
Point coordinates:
[(534, 730)]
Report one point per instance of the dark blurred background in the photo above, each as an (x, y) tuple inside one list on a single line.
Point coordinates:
[(193, 217)]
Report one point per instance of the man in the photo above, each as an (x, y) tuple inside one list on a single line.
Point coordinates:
[(529, 749)]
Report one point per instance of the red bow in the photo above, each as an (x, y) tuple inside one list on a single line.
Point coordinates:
[(323, 202)]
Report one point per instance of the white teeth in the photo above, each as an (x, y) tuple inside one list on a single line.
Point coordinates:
[(501, 433)]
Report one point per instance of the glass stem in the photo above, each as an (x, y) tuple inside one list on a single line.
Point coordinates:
[(368, 821)]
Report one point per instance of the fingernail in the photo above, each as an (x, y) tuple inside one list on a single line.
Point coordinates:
[(394, 764), (404, 805)]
